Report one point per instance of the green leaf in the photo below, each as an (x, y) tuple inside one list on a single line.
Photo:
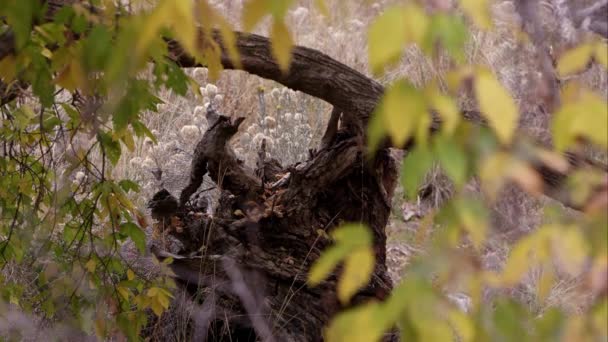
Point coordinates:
[(136, 234), (129, 185), (20, 15), (448, 110), (415, 167), (508, 318), (402, 107), (358, 269), (497, 105), (110, 146), (97, 48), (452, 158), (353, 235), (475, 220), (451, 32), (386, 38), (375, 131)]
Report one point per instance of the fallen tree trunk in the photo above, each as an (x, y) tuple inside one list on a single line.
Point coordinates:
[(263, 237)]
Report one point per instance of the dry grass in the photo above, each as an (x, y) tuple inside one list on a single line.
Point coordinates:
[(293, 122)]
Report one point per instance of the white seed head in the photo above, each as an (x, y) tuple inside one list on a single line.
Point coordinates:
[(135, 162), (162, 107), (257, 139), (211, 90), (201, 122), (245, 138), (218, 98), (199, 111), (269, 144), (288, 117), (338, 36), (148, 163), (203, 91), (298, 117), (190, 133), (253, 129), (170, 146), (276, 93), (269, 121), (200, 72), (300, 13), (80, 177), (356, 24)]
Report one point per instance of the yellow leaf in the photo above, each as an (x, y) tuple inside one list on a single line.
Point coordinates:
[(526, 177), (448, 110), (229, 40), (491, 173), (124, 292), (570, 249), (127, 139), (462, 325), (478, 11), (253, 12), (130, 274), (401, 108), (322, 7), (184, 25), (282, 44), (151, 26), (526, 253), (358, 269), (497, 105), (163, 299), (359, 324), (386, 37), (416, 22), (71, 77), (545, 283), (601, 54), (585, 115), (91, 265), (473, 217), (153, 291), (8, 69), (157, 307), (323, 266), (575, 59)]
